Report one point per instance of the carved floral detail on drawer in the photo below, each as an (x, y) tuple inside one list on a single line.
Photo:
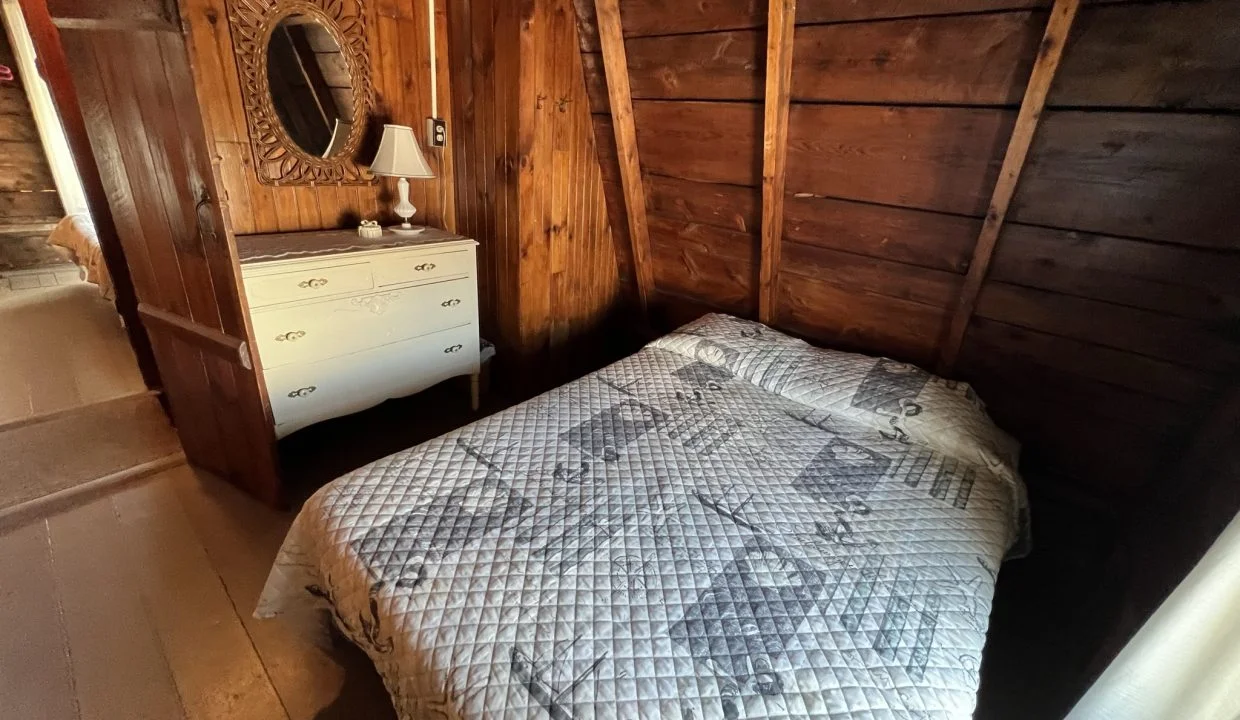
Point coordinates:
[(377, 303)]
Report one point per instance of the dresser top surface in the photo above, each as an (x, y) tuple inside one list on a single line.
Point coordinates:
[(316, 243)]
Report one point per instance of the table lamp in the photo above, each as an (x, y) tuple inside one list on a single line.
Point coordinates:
[(400, 156)]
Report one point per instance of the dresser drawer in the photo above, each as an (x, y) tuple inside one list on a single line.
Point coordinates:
[(303, 394), (317, 331), (426, 265), (307, 283)]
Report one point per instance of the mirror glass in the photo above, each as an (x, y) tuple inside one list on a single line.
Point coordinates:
[(310, 86)]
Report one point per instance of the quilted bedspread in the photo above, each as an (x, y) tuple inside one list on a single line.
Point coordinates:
[(728, 524)]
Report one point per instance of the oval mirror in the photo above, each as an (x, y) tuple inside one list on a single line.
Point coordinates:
[(311, 89)]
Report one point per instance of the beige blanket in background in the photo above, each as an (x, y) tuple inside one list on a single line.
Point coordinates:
[(76, 233)]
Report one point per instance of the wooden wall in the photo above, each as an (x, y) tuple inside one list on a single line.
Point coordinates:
[(519, 175), (400, 72), (528, 182), (29, 205), (1108, 320), (1108, 324)]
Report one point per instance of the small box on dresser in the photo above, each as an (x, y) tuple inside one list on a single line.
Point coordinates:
[(343, 323)]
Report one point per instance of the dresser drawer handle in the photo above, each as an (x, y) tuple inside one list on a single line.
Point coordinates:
[(454, 348), (312, 283), (451, 303), (291, 335), (424, 267), (302, 392)]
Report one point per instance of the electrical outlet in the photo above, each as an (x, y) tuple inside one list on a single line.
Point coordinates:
[(437, 131)]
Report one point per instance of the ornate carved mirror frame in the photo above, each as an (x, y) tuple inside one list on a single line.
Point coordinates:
[(278, 160)]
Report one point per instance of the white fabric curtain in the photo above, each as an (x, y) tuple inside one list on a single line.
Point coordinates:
[(1184, 663)]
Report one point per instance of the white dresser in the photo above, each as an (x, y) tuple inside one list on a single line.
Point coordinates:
[(343, 323)]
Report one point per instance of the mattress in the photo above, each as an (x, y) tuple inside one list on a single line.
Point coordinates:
[(728, 524)]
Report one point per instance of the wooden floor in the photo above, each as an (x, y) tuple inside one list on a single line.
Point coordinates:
[(61, 346), (125, 595), (137, 604)]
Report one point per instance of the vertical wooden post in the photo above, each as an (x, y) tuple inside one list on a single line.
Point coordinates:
[(781, 22), (1049, 54), (616, 66)]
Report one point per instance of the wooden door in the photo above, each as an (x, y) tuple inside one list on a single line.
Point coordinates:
[(134, 90)]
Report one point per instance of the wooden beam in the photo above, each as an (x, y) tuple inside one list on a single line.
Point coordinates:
[(616, 67), (207, 339), (781, 22), (1049, 54)]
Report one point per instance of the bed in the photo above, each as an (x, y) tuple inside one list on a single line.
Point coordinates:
[(728, 524), (76, 235)]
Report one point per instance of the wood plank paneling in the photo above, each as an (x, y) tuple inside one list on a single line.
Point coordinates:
[(1159, 176), (727, 206), (23, 167), (916, 237), (1176, 280), (1163, 54), (710, 66), (27, 189), (981, 59), (707, 262), (30, 207), (853, 320), (1139, 331), (710, 142), (933, 158), (936, 288), (667, 17), (966, 60), (154, 14), (1086, 359), (528, 181)]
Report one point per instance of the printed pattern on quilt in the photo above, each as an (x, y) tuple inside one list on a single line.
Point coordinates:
[(728, 524)]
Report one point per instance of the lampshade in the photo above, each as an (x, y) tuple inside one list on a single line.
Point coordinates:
[(399, 154)]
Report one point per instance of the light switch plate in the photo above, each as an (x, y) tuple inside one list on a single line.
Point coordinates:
[(437, 132)]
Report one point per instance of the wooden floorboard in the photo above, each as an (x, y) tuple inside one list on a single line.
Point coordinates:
[(138, 604), (217, 671), (119, 667), (87, 359), (35, 676), (241, 537)]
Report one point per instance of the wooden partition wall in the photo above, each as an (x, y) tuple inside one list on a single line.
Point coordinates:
[(398, 42), (528, 184), (1107, 320)]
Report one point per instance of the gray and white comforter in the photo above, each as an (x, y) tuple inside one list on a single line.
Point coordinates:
[(728, 524)]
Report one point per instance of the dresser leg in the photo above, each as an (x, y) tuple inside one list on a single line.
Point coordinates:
[(475, 399)]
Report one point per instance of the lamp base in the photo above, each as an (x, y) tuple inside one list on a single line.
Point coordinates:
[(406, 229)]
